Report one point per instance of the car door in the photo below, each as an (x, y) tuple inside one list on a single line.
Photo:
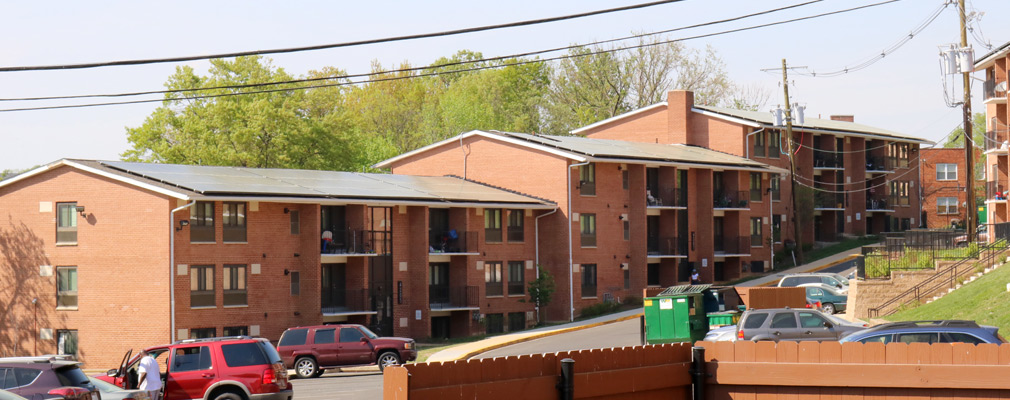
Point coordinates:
[(325, 346), (355, 348), (783, 326), (190, 372), (813, 326)]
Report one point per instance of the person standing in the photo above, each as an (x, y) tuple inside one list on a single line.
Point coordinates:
[(150, 375), (695, 277)]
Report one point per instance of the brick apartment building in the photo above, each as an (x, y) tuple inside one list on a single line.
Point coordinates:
[(100, 257), (997, 140), (944, 195)]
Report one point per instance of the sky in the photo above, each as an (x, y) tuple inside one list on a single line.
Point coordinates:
[(903, 92)]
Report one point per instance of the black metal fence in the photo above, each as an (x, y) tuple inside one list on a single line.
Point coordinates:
[(730, 199), (733, 245), (876, 163), (345, 300), (443, 297), (666, 197), (355, 241), (827, 160), (666, 246), (452, 241)]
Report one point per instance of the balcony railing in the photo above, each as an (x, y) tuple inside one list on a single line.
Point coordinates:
[(995, 191), (829, 200), (494, 289), (666, 197), (730, 199), (879, 203), (989, 90), (345, 300), (733, 245), (516, 288), (827, 160), (354, 241), (881, 164), (443, 297), (588, 290), (666, 246), (773, 152), (452, 241), (756, 241), (996, 139)]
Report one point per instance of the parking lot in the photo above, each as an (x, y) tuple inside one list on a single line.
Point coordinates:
[(343, 385)]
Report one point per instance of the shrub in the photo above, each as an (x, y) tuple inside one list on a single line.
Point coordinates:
[(599, 309), (632, 301)]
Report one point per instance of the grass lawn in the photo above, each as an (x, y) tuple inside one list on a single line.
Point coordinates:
[(984, 301)]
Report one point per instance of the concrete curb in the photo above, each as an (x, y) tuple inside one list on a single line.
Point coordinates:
[(539, 335)]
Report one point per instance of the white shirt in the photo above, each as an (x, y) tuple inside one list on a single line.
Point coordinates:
[(150, 366)]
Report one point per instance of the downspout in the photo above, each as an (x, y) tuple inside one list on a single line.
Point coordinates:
[(465, 155), (746, 141), (171, 265), (771, 227), (536, 243), (571, 276)]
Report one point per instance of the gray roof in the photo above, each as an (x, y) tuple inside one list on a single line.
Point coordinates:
[(624, 150), (813, 123), (211, 181)]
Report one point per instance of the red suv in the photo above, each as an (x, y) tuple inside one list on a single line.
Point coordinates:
[(309, 350), (230, 368)]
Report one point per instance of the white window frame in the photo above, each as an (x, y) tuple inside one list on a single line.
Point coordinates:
[(944, 169)]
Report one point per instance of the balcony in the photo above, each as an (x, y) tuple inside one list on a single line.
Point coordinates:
[(732, 246), (730, 200), (827, 161), (666, 247), (829, 201), (994, 191), (351, 242), (346, 302), (994, 92), (879, 165), (666, 197), (445, 298), (453, 242), (996, 141), (878, 204)]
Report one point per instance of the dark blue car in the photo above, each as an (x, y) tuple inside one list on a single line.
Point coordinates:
[(948, 331)]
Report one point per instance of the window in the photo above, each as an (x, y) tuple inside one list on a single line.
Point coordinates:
[(66, 287), (652, 274), (492, 225), (243, 354), (774, 138), (516, 225), (627, 229), (201, 286), (350, 335), (13, 378), (587, 226), (946, 205), (926, 337), (783, 320), (755, 186), (588, 280), (234, 222), (296, 223), (957, 337), (625, 177), (201, 223), (190, 359), (202, 333), (494, 323), (66, 223), (777, 228), (236, 331), (877, 339), (627, 279), (755, 320), (325, 336), (296, 283), (66, 342), (811, 320), (899, 192), (234, 285), (946, 172), (587, 180), (898, 154), (294, 337), (517, 279), (517, 321), (776, 185), (492, 278), (755, 232), (759, 145)]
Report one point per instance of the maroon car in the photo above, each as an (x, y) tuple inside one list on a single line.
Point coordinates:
[(309, 350)]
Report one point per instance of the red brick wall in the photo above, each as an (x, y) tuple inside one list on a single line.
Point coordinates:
[(645, 127), (933, 189)]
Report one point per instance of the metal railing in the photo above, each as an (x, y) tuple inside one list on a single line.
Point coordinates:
[(494, 289), (354, 241), (994, 191), (443, 297), (829, 200), (730, 199), (345, 300), (733, 245), (827, 160), (989, 90), (666, 197), (774, 152), (878, 203), (666, 246), (876, 163), (996, 139), (452, 241)]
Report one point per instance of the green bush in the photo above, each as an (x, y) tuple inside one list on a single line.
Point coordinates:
[(599, 309), (632, 301)]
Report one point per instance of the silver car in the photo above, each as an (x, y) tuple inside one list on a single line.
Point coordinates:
[(794, 324)]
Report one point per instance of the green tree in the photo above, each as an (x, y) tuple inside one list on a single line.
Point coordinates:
[(956, 140), (541, 291)]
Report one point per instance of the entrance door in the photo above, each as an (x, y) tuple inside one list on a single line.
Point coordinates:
[(334, 287), (440, 327), (719, 269), (717, 235), (438, 226), (380, 270), (438, 285)]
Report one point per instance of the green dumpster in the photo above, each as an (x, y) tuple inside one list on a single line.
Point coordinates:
[(676, 315)]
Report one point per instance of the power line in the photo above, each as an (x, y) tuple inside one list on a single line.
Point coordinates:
[(414, 69), (336, 45), (507, 64)]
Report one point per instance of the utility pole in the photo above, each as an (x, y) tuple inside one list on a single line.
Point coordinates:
[(969, 142), (792, 166)]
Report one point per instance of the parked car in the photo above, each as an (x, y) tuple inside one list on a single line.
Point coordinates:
[(5, 395), (46, 377), (945, 331), (310, 350), (113, 392), (981, 231), (798, 324), (225, 368), (728, 332), (830, 279), (830, 299)]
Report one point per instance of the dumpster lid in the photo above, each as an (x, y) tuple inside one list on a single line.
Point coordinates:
[(684, 289)]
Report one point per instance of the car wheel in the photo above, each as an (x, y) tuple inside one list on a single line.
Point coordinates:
[(828, 308), (387, 359), (306, 367), (228, 396)]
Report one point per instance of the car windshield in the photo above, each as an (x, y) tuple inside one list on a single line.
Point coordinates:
[(368, 332), (842, 279)]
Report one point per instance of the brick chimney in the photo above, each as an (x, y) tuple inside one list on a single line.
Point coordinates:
[(845, 118), (678, 112)]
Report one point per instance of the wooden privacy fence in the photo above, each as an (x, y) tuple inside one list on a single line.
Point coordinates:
[(641, 372), (735, 370)]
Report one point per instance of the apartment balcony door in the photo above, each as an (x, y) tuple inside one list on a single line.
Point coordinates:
[(380, 270), (717, 236), (334, 287), (438, 284)]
